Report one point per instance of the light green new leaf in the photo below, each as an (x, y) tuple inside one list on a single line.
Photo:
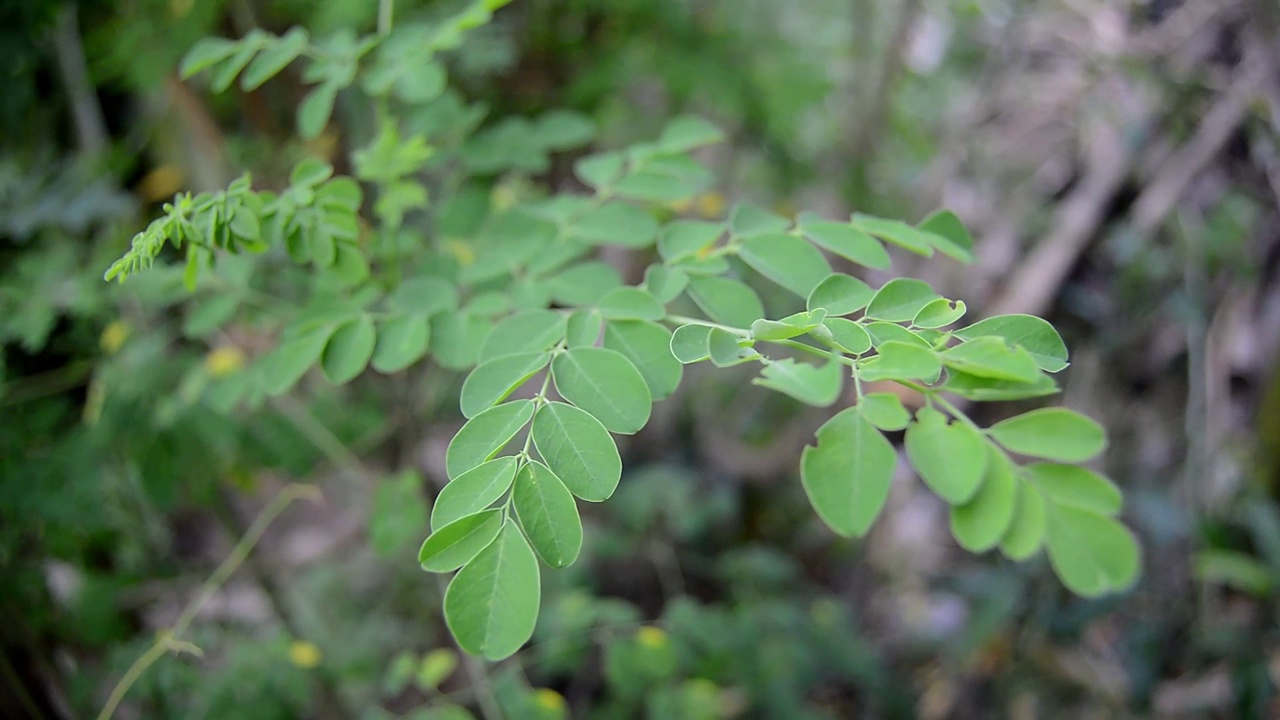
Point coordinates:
[(687, 238), (529, 331), (349, 350), (979, 524), (583, 328), (894, 231), (273, 58), (848, 475), (584, 283), (1028, 332), (1026, 531), (849, 335), (900, 299), (746, 219), (425, 295), (840, 294), (939, 313), (1076, 487), (817, 385), (1051, 433), (884, 410), (849, 243), (456, 339), (617, 223), (225, 72), (402, 341), (1091, 554), (548, 515), (206, 53), (787, 260), (664, 283), (473, 490), (686, 133), (491, 606), (455, 544), (491, 382), (990, 357), (946, 233), (883, 332), (689, 343), (286, 365), (578, 449), (727, 349), (988, 389), (726, 301), (648, 346), (604, 383), (631, 303), (485, 434), (900, 361), (787, 327), (950, 457)]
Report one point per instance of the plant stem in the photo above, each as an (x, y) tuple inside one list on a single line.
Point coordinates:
[(386, 10)]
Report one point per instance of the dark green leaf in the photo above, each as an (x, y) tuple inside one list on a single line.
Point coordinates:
[(726, 301), (894, 231), (605, 384), (349, 350), (648, 346), (402, 341), (840, 294), (583, 329), (686, 133), (617, 223), (282, 369), (456, 339), (315, 109), (491, 606), (746, 219), (665, 283), (273, 58), (425, 295), (548, 515), (473, 491), (687, 238), (849, 243), (578, 449), (787, 260), (631, 303), (585, 283), (529, 331), (455, 544), (485, 434), (206, 53), (491, 382), (946, 233)]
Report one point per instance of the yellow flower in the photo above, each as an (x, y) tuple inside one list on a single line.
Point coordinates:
[(549, 699), (681, 206), (224, 360), (652, 637), (711, 205), (114, 336), (304, 654), (461, 251), (160, 184)]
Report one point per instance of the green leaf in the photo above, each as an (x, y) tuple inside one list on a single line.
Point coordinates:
[(273, 58), (402, 341), (849, 243), (1091, 554), (583, 328), (727, 349), (979, 524), (631, 303), (226, 70), (900, 361), (884, 410), (563, 130), (840, 294), (787, 327), (950, 457), (987, 389), (396, 512), (425, 294), (746, 219), (687, 238), (529, 331), (848, 475), (946, 233), (491, 606), (455, 544), (315, 109), (817, 385), (648, 346), (939, 313), (900, 299), (578, 449), (457, 339), (1028, 332), (617, 223), (548, 515), (849, 335), (1051, 433), (787, 260), (605, 384), (600, 170), (206, 53), (473, 490), (689, 343), (1076, 487), (286, 365), (685, 133), (349, 350), (491, 382), (883, 332), (585, 283), (485, 434), (310, 172), (990, 357), (1234, 569), (894, 231), (664, 283), (210, 315), (726, 301), (1026, 532)]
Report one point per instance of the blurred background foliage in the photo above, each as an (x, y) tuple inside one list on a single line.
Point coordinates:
[(1118, 162)]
